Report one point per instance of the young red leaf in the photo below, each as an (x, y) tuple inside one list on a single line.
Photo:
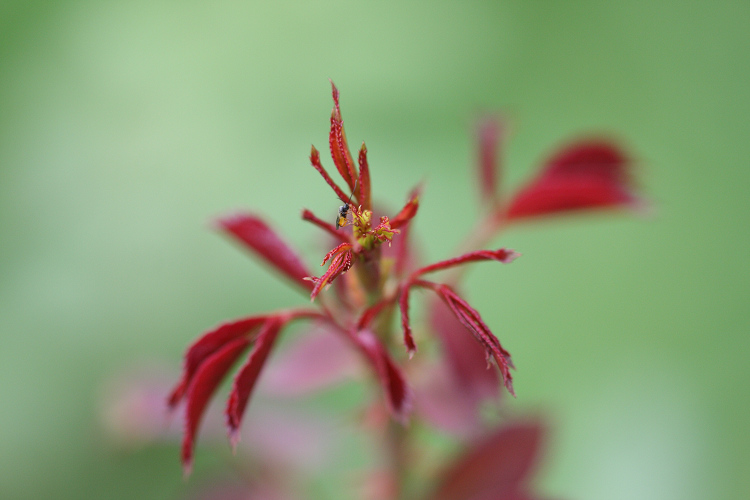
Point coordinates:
[(409, 210), (503, 255), (337, 141), (372, 312), (473, 322), (204, 384), (245, 380), (495, 467), (465, 357), (315, 160), (208, 344), (490, 135), (252, 232), (365, 188), (341, 261), (398, 393), (327, 227), (584, 175), (403, 304)]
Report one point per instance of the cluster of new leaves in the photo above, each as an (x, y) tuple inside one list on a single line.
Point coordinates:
[(372, 270)]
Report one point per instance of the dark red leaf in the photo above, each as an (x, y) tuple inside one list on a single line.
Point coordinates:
[(204, 384), (208, 344), (403, 303), (501, 255), (365, 188), (372, 312), (315, 160), (473, 322), (341, 261), (329, 228), (584, 175), (245, 380), (496, 467), (465, 357), (263, 241), (490, 134), (409, 210), (337, 141), (399, 395)]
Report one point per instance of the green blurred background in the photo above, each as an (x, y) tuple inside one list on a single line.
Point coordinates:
[(126, 126)]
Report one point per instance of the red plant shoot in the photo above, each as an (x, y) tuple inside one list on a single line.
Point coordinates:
[(372, 270)]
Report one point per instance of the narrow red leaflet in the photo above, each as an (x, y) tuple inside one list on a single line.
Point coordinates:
[(329, 228), (585, 175), (503, 255), (403, 304), (472, 320), (206, 345), (263, 241), (372, 312), (204, 384), (245, 380), (340, 263), (409, 210), (337, 141), (365, 187), (399, 395), (497, 466), (465, 356), (474, 323), (315, 160), (490, 134)]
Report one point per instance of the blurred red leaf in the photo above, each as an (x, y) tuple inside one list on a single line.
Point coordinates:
[(245, 380), (490, 134), (203, 386), (398, 393), (409, 210), (255, 235), (316, 359), (495, 467), (206, 345), (584, 175)]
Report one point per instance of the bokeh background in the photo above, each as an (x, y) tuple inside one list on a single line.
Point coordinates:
[(126, 126)]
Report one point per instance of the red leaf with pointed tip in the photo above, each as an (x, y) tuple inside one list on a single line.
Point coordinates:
[(503, 255), (409, 210), (245, 380), (495, 467), (372, 312), (398, 393), (204, 384), (208, 344), (263, 241), (585, 175), (337, 141), (329, 228), (365, 188), (472, 320), (490, 134), (465, 357), (315, 160), (403, 304), (341, 261)]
